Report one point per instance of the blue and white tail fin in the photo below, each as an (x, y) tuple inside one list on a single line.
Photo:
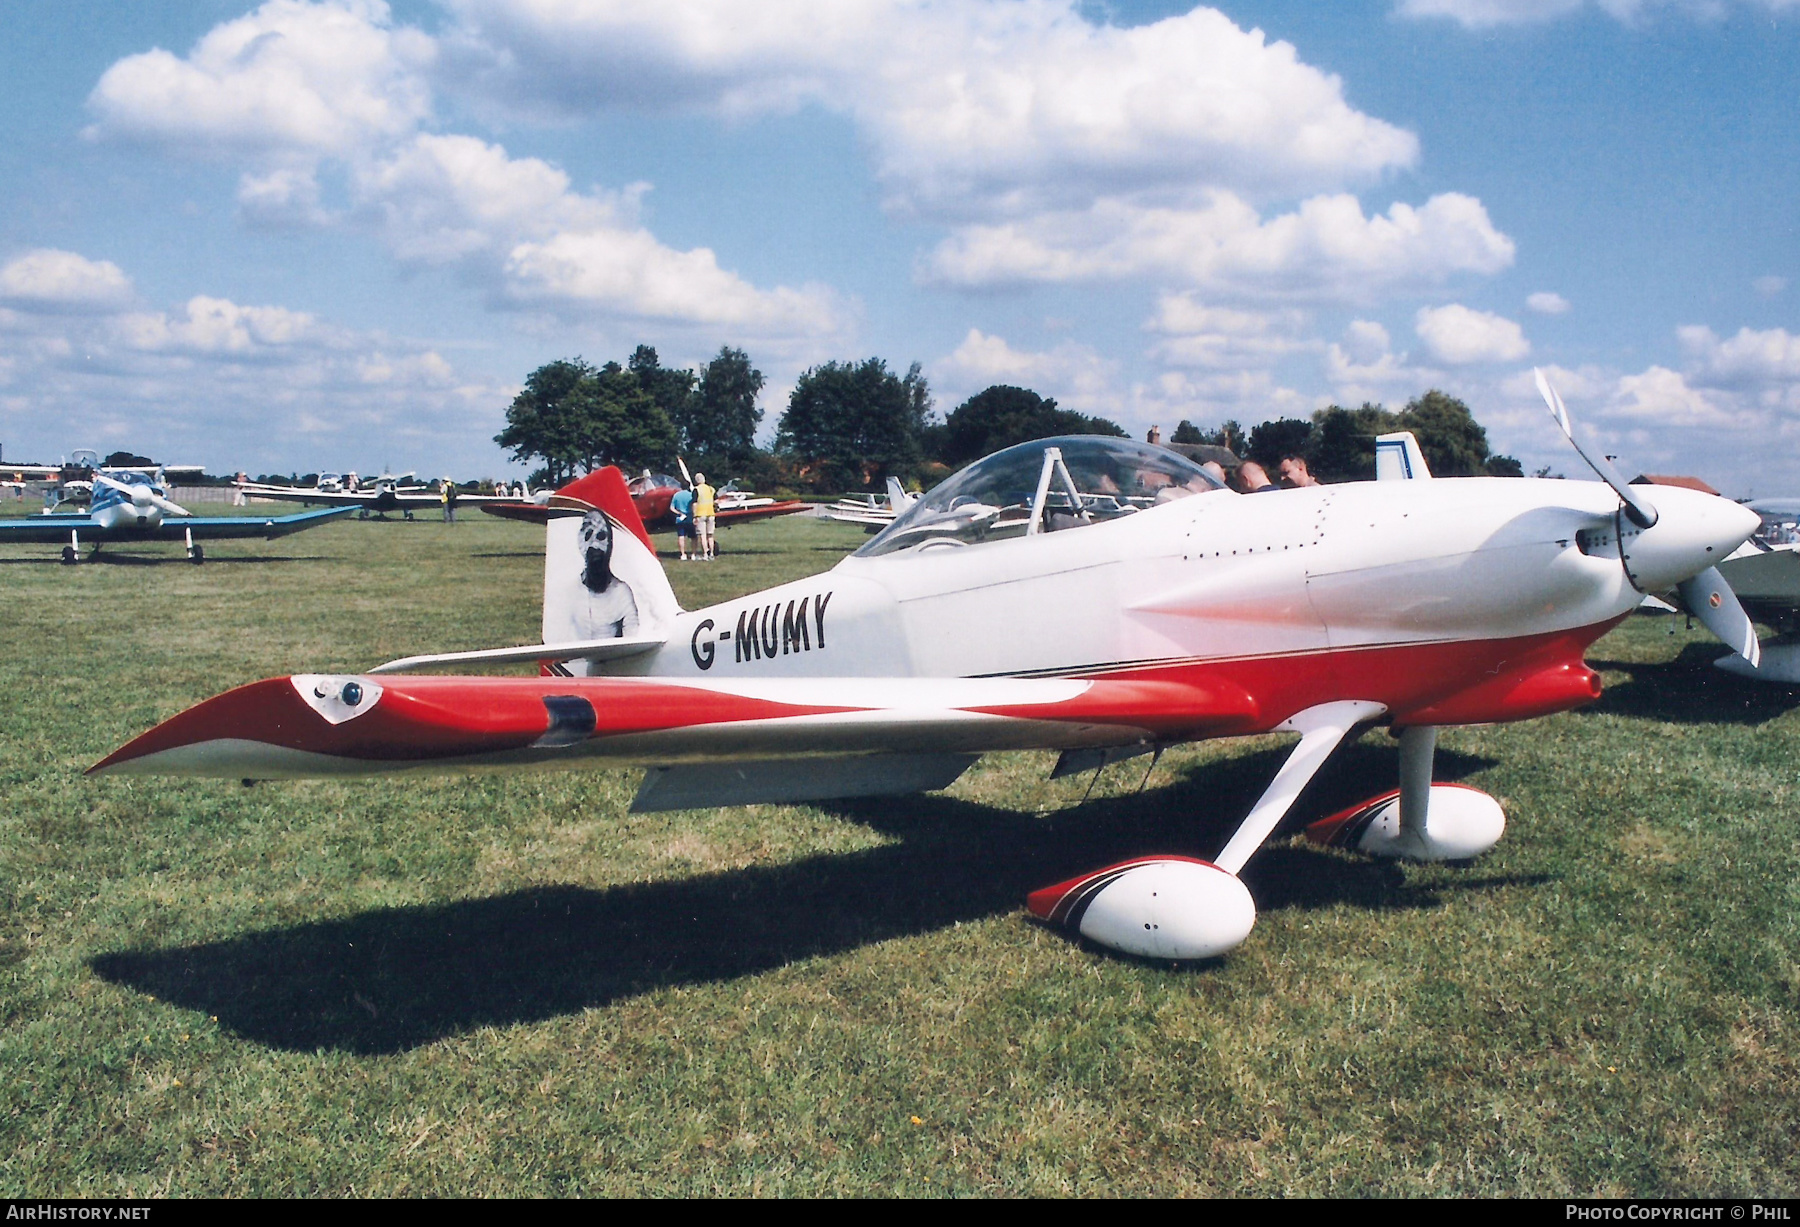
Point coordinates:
[(1398, 458)]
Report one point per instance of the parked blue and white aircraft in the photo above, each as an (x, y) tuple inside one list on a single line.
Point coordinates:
[(131, 505)]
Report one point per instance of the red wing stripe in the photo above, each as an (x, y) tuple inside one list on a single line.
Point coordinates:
[(424, 718)]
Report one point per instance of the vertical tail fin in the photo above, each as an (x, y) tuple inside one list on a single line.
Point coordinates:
[(1398, 458), (602, 579)]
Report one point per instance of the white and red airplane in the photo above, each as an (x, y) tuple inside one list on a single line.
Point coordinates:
[(1094, 596)]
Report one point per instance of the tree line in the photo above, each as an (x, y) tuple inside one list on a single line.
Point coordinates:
[(851, 425), (1338, 444)]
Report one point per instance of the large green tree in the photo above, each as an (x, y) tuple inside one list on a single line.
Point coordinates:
[(1002, 415), (575, 417), (1339, 443), (1271, 441), (720, 419), (1454, 443), (672, 390), (1343, 441), (848, 424)]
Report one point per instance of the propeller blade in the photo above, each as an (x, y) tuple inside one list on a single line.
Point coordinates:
[(1637, 507), (143, 494), (1709, 598), (685, 475)]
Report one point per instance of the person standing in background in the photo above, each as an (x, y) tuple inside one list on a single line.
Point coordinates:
[(682, 506), (705, 508)]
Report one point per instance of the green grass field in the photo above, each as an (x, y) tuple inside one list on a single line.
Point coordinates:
[(506, 985)]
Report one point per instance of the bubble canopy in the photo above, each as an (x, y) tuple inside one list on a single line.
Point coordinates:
[(1048, 485)]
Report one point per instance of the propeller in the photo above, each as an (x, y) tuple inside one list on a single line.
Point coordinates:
[(1707, 596), (1710, 599), (685, 475), (1637, 507), (144, 494)]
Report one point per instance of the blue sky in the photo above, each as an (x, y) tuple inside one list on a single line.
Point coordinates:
[(337, 235)]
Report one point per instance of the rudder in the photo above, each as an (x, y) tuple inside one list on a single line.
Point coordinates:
[(602, 578)]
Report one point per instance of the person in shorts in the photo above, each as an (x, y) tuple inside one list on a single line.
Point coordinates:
[(682, 506), (705, 508)]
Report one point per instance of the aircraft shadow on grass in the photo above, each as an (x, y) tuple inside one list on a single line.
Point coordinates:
[(1689, 690), (386, 981)]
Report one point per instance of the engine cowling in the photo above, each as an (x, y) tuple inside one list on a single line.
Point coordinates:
[(1460, 823), (1155, 907)]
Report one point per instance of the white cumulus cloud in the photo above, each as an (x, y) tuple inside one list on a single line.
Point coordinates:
[(291, 76), (49, 279), (219, 326), (1073, 375), (1460, 335), (628, 270), (1198, 334), (979, 106), (1752, 358), (295, 85), (232, 385), (1363, 366), (1485, 14), (1326, 249), (516, 227), (1544, 302), (1666, 397)]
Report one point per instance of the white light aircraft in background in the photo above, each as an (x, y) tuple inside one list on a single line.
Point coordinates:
[(373, 495), (1089, 595), (873, 511)]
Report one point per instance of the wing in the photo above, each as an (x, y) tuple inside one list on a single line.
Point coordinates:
[(26, 530), (215, 528), (56, 529), (315, 725), (297, 494), (1767, 584), (739, 515), (531, 513)]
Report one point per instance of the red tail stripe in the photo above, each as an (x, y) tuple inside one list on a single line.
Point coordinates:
[(605, 489)]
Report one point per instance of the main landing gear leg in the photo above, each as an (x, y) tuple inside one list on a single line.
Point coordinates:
[(1419, 821), (196, 553), (71, 553), (1176, 907)]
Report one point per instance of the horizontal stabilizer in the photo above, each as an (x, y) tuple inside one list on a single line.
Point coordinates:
[(779, 781), (586, 649)]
